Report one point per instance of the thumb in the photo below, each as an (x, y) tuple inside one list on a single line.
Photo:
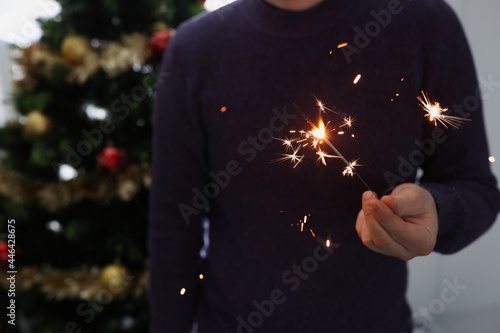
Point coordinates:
[(405, 201), (394, 202)]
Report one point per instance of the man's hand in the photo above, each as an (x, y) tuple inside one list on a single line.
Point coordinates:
[(403, 225)]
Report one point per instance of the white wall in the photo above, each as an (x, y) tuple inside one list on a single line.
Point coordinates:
[(6, 110), (477, 309)]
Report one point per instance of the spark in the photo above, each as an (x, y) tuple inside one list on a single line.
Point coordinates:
[(287, 143), (294, 158), (201, 276), (322, 156), (323, 107), (331, 52), (223, 109), (348, 122), (183, 291), (349, 169), (327, 243), (312, 233), (302, 222), (435, 113), (491, 159), (340, 133), (320, 104), (342, 45), (356, 80), (402, 79)]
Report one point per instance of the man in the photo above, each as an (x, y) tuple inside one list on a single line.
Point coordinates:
[(232, 77)]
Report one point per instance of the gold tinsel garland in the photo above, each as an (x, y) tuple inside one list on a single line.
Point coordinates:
[(114, 59), (36, 61), (58, 284), (58, 195)]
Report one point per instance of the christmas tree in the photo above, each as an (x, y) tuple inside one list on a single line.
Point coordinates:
[(74, 173)]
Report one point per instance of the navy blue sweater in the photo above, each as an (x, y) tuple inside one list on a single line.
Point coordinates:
[(229, 80)]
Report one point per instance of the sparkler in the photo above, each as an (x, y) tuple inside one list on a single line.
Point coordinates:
[(435, 113), (319, 134)]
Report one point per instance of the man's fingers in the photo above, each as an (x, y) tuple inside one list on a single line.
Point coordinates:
[(378, 211), (359, 222), (383, 222), (373, 233)]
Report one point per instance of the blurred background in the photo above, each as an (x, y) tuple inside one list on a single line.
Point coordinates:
[(75, 135)]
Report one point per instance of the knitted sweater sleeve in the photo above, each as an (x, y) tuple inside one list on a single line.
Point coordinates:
[(175, 223), (457, 171)]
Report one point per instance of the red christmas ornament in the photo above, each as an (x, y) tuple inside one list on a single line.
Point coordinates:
[(4, 252), (111, 160), (159, 41)]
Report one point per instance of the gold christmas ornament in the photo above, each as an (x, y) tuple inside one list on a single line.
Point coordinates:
[(76, 49), (116, 279), (159, 26), (37, 124)]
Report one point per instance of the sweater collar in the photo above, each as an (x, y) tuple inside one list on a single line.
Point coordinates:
[(282, 23)]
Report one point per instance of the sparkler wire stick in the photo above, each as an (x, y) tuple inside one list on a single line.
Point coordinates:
[(328, 142)]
